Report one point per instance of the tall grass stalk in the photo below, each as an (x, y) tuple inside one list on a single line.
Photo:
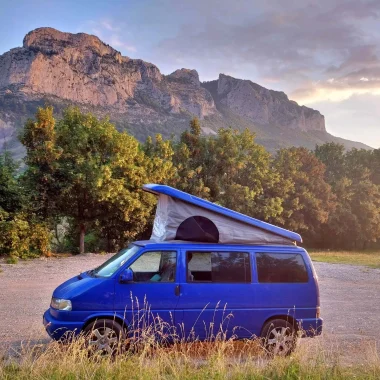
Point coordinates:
[(221, 359), (156, 350)]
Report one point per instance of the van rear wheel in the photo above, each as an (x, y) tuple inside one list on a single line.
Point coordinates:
[(279, 337), (104, 337)]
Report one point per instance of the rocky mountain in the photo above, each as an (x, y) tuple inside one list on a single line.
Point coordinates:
[(59, 68)]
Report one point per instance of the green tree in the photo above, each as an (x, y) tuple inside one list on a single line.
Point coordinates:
[(158, 168), (159, 164), (240, 175), (230, 169), (355, 223), (189, 159), (332, 155), (354, 177), (21, 234), (375, 166), (39, 139), (357, 161), (310, 201), (12, 195), (95, 173)]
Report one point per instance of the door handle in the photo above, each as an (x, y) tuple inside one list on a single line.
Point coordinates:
[(177, 290)]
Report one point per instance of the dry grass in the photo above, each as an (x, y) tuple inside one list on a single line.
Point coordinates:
[(219, 360), (366, 258)]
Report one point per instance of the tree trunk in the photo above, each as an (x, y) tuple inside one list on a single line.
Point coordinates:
[(108, 241), (82, 232), (56, 232)]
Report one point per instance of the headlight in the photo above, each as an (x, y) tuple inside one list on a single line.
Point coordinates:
[(61, 304)]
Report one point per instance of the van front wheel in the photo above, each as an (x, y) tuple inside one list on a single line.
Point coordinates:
[(279, 337), (104, 336)]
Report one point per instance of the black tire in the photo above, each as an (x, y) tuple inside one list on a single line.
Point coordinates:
[(104, 337), (279, 337)]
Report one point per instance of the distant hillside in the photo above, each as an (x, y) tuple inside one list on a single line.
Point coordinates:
[(60, 69)]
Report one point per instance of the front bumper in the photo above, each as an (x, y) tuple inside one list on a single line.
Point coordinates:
[(59, 329), (310, 327)]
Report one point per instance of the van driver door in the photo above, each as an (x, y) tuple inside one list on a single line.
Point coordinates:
[(149, 301)]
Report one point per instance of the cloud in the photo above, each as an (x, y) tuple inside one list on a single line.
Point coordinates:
[(115, 41), (111, 33), (355, 118), (362, 81), (324, 53), (108, 26), (294, 43)]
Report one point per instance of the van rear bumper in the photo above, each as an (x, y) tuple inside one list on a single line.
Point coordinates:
[(58, 329), (310, 327)]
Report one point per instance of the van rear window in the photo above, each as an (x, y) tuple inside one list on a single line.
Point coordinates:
[(281, 268)]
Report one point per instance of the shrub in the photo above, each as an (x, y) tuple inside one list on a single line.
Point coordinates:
[(12, 260), (22, 238)]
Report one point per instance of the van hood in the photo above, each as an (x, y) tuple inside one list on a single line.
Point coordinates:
[(68, 286), (87, 293)]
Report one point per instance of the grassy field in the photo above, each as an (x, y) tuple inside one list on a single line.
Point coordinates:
[(220, 360), (367, 258)]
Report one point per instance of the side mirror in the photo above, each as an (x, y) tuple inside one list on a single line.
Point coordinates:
[(126, 276)]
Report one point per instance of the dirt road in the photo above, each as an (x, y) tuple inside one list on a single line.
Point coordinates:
[(350, 298)]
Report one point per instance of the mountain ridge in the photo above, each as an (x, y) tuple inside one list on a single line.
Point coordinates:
[(58, 68)]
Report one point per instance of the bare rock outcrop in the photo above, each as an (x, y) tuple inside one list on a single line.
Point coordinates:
[(188, 95), (264, 106), (83, 69), (76, 67), (63, 68)]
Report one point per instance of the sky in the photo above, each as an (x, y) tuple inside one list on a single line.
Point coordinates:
[(324, 54)]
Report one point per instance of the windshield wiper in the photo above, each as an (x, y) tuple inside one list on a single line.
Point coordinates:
[(91, 272)]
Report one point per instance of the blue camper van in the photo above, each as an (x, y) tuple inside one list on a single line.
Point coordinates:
[(207, 272)]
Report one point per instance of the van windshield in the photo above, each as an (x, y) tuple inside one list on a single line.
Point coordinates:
[(115, 262)]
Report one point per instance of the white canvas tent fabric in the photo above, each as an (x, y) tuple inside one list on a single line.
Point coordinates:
[(171, 212)]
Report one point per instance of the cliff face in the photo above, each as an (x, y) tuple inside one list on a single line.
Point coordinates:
[(63, 68), (264, 106), (82, 69)]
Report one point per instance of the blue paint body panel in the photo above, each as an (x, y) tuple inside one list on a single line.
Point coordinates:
[(185, 197), (194, 309)]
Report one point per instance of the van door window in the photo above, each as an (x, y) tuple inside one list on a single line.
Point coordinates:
[(155, 266), (219, 267), (281, 268)]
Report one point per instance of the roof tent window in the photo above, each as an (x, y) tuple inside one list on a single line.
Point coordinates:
[(198, 228)]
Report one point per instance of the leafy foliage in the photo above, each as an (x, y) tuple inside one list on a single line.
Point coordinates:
[(84, 174), (230, 169), (21, 234), (39, 139), (354, 177), (310, 200), (11, 193)]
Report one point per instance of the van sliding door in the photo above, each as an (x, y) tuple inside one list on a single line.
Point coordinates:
[(216, 297)]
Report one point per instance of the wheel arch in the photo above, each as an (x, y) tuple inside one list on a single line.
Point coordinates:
[(111, 317), (287, 318)]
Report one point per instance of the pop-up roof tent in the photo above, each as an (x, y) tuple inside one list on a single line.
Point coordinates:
[(182, 216)]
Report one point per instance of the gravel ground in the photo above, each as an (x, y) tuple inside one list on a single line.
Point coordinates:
[(26, 289), (350, 299)]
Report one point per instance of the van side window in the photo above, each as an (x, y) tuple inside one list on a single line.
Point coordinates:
[(155, 266), (281, 268), (229, 267)]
